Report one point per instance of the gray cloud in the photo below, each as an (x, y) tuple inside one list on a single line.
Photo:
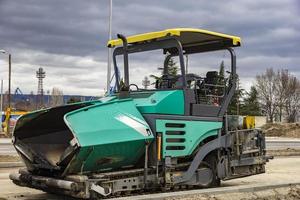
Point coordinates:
[(68, 38)]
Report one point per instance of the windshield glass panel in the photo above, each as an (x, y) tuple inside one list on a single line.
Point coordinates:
[(146, 69)]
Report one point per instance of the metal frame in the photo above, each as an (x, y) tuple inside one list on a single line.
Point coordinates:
[(220, 142), (175, 48), (233, 80), (166, 44)]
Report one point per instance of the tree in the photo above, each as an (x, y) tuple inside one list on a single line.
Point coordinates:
[(57, 98), (292, 103), (221, 80), (172, 67), (279, 93), (172, 70), (266, 87), (73, 100), (234, 108), (251, 104), (145, 82)]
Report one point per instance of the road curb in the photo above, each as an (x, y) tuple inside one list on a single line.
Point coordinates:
[(284, 152), (11, 164), (210, 191)]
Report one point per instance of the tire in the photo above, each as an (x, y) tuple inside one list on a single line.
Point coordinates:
[(211, 161)]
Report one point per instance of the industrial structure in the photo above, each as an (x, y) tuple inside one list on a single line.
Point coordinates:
[(40, 74)]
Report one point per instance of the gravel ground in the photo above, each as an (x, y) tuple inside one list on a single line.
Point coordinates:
[(291, 130), (9, 158), (284, 152), (286, 193)]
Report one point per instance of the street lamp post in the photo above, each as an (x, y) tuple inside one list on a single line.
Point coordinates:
[(9, 88), (9, 80), (109, 49), (1, 105)]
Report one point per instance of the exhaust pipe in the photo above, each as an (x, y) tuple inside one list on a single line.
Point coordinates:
[(125, 55)]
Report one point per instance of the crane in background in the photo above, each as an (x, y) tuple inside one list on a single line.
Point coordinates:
[(11, 115)]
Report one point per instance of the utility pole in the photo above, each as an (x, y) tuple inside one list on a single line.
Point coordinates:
[(1, 105), (238, 97), (109, 49), (48, 99), (187, 63), (9, 90), (9, 81)]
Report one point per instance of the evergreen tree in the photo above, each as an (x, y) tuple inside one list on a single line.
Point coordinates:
[(222, 74), (172, 67), (73, 100), (236, 107), (251, 104), (172, 70)]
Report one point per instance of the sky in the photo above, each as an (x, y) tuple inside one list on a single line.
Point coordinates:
[(68, 38)]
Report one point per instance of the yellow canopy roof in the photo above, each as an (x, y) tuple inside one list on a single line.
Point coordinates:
[(184, 35)]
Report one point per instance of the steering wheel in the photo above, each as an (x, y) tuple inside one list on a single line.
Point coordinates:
[(137, 88)]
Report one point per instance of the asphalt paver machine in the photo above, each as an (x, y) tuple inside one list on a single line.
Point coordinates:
[(172, 136)]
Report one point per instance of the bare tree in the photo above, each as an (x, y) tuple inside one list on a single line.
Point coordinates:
[(266, 87), (279, 94), (292, 103), (56, 97), (281, 91)]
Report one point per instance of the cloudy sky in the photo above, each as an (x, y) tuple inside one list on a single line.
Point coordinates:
[(68, 37)]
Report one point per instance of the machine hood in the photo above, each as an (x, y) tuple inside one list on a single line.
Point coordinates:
[(82, 138)]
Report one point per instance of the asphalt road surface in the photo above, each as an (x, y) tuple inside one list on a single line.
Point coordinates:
[(276, 143), (6, 147), (272, 143), (281, 170)]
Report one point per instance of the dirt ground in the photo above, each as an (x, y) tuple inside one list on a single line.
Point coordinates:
[(284, 152), (9, 158), (291, 130)]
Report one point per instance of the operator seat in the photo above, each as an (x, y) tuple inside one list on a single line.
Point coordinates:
[(212, 77)]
